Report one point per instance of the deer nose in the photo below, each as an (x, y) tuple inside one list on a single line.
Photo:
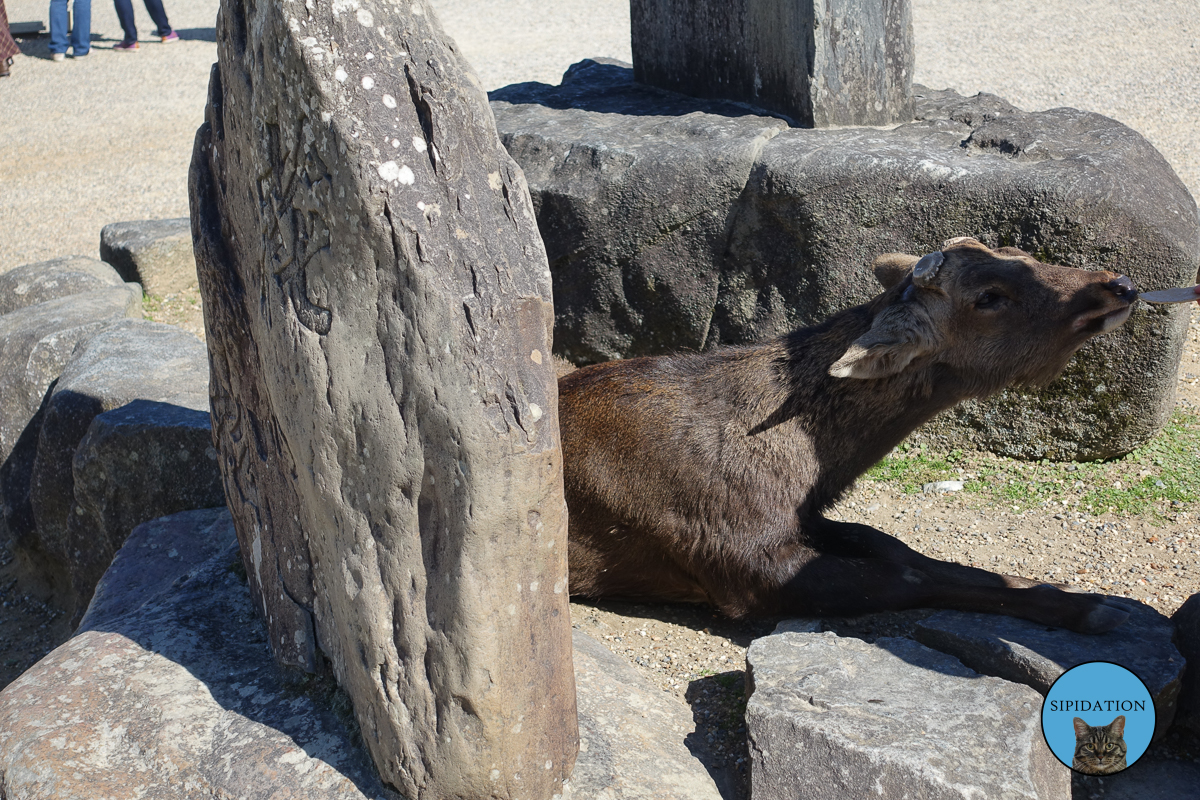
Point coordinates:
[(1122, 287)]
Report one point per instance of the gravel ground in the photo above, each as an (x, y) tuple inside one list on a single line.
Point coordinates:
[(108, 138)]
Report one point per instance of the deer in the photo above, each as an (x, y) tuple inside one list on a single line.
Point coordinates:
[(703, 477)]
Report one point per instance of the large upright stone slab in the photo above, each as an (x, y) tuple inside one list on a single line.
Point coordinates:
[(635, 271), (377, 305), (816, 62)]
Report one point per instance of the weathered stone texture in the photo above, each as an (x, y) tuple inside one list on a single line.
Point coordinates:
[(31, 284), (154, 698), (168, 690), (1025, 652), (1187, 638), (125, 361), (157, 253), (36, 342), (378, 314), (144, 460), (636, 245), (816, 62), (833, 718), (631, 735)]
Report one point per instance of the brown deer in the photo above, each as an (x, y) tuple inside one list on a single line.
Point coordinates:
[(703, 477)]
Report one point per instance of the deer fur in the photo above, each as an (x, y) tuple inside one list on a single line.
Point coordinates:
[(703, 477)]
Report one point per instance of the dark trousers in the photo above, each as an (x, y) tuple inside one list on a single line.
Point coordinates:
[(157, 13)]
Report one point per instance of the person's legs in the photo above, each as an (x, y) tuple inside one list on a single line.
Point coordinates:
[(81, 31), (159, 15), (58, 26), (125, 15)]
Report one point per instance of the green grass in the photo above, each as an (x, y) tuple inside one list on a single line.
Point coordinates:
[(1165, 472)]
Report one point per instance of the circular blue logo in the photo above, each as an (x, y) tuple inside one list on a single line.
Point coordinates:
[(1098, 718)]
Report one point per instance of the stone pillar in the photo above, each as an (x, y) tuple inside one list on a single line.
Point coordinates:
[(819, 63), (378, 312)]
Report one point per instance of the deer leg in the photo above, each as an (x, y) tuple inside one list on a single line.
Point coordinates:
[(853, 540), (843, 586)]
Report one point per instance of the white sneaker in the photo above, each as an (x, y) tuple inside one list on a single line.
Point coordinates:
[(59, 56)]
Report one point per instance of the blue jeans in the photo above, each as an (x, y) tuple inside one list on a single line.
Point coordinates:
[(81, 31), (125, 15)]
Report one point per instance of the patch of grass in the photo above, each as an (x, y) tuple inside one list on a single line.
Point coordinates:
[(1163, 473), (913, 466)]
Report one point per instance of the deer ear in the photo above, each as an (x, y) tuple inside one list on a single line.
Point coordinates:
[(897, 336), (890, 268)]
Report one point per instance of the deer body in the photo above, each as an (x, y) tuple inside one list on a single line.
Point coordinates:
[(703, 477)]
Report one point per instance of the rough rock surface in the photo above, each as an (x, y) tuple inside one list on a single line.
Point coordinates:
[(157, 253), (165, 703), (631, 734), (35, 344), (126, 361), (817, 62), (31, 284), (377, 304), (832, 717), (1187, 638), (154, 698), (1025, 652), (143, 460), (796, 240)]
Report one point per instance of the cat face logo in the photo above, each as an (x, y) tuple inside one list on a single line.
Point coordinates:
[(1098, 718), (1099, 749)]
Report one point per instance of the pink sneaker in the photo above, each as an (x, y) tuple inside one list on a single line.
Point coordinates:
[(170, 37), (126, 47)]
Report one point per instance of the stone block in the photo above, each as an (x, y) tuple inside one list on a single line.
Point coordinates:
[(1187, 639), (384, 403), (174, 694), (830, 718), (631, 734), (1025, 652), (35, 344), (168, 690), (157, 253), (39, 282), (634, 270), (816, 62), (126, 361), (144, 460)]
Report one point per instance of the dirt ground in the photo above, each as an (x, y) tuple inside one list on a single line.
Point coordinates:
[(699, 657)]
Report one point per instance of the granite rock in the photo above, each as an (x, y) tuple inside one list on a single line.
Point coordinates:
[(143, 460), (1187, 639), (157, 253), (126, 361), (165, 703), (36, 342), (154, 698), (378, 310), (631, 734), (816, 62), (795, 241), (830, 717), (1025, 652), (31, 284)]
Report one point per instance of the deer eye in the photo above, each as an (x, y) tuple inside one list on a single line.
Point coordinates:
[(987, 300)]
